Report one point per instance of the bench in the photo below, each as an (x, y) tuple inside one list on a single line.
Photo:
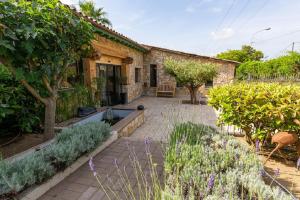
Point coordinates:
[(166, 90)]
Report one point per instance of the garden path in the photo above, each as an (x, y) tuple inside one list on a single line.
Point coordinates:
[(160, 116)]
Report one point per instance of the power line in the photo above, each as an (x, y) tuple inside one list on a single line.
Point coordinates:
[(280, 36), (221, 23), (255, 14), (225, 16), (240, 13)]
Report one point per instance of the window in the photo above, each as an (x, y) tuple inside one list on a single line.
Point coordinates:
[(209, 84), (137, 75), (153, 75)]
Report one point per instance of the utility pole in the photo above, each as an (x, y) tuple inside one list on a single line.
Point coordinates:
[(293, 46)]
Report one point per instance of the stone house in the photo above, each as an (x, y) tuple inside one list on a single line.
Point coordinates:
[(129, 69)]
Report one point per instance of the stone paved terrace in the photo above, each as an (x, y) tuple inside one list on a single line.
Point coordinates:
[(160, 115)]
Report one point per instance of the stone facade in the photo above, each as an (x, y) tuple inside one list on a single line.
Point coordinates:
[(116, 54), (156, 56)]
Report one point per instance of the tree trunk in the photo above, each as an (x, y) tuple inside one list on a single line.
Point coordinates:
[(49, 124), (193, 94)]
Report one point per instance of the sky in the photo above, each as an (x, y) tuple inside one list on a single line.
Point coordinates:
[(207, 27)]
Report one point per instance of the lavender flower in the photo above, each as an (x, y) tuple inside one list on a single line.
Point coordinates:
[(116, 162), (147, 145), (224, 144), (262, 172), (257, 146), (92, 166), (237, 156), (277, 172), (298, 163), (211, 182), (147, 141)]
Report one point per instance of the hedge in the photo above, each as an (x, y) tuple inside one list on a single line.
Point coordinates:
[(285, 66), (202, 163), (68, 146), (258, 108)]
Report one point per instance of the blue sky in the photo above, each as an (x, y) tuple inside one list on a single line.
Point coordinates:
[(207, 27)]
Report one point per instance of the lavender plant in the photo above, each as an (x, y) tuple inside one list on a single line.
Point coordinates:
[(68, 146), (198, 166)]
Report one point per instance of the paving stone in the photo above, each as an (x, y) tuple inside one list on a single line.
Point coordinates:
[(88, 193), (159, 112)]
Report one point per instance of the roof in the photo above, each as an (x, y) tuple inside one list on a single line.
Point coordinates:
[(120, 38), (190, 54), (110, 33)]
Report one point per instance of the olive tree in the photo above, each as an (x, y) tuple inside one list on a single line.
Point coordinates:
[(191, 74), (39, 39)]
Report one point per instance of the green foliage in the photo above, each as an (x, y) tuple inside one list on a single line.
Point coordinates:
[(18, 109), (258, 108), (23, 173), (39, 41), (72, 143), (69, 101), (68, 146), (198, 152), (190, 72), (287, 65), (88, 8), (247, 53)]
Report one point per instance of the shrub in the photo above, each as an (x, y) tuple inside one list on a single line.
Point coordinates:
[(69, 101), (18, 109), (287, 65), (68, 146), (202, 163), (258, 108)]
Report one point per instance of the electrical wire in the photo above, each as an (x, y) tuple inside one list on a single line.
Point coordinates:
[(255, 14), (220, 24), (280, 36), (239, 14), (225, 16)]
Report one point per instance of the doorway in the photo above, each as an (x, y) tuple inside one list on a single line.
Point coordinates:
[(111, 88), (153, 76)]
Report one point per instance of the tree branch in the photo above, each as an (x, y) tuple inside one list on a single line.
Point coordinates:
[(47, 85), (62, 72), (33, 91), (23, 82)]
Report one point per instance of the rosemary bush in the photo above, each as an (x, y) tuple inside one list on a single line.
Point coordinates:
[(202, 163), (68, 146)]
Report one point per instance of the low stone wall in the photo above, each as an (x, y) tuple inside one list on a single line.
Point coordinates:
[(128, 125)]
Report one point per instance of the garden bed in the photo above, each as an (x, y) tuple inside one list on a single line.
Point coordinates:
[(20, 144), (38, 166), (202, 163)]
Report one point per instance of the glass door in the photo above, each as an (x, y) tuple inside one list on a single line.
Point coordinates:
[(111, 74)]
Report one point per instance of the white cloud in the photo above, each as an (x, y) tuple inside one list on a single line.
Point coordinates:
[(193, 7), (69, 2), (225, 33), (216, 10), (190, 9)]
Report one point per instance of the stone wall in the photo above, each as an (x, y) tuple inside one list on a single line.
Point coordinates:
[(115, 53), (226, 69)]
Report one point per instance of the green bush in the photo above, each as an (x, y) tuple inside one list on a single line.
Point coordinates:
[(196, 154), (18, 108), (287, 65), (69, 101), (258, 108), (68, 146)]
